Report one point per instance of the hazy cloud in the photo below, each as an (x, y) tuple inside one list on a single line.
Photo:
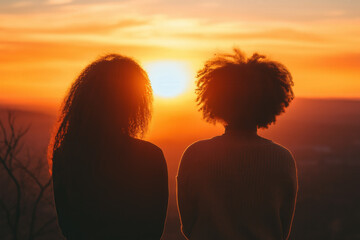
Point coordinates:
[(279, 34), (58, 2), (21, 4), (86, 28)]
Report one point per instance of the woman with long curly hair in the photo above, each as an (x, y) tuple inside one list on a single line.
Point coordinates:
[(239, 185), (108, 184)]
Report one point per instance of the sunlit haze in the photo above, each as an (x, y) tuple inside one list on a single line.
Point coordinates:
[(168, 78), (45, 44)]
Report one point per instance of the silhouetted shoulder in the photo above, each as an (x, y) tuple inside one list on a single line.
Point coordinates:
[(194, 153), (284, 156), (200, 147), (147, 147), (197, 146), (280, 148)]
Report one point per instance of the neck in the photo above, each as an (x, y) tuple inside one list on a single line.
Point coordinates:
[(241, 131)]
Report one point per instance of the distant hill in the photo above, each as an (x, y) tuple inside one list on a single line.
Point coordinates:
[(320, 125), (41, 124)]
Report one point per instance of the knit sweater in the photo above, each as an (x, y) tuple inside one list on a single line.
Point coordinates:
[(233, 187), (124, 197)]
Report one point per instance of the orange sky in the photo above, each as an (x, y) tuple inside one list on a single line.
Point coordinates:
[(45, 43)]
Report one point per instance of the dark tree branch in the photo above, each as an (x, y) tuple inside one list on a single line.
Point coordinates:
[(37, 201), (10, 147), (4, 132), (11, 143), (44, 226), (7, 213), (18, 196), (29, 173)]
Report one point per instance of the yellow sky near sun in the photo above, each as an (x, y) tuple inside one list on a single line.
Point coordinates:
[(44, 47)]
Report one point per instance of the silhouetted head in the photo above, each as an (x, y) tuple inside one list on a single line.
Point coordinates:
[(243, 92), (110, 98)]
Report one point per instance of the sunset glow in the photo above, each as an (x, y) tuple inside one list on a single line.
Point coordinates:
[(168, 78), (45, 44)]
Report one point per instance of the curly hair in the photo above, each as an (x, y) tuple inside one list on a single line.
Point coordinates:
[(240, 91), (112, 95)]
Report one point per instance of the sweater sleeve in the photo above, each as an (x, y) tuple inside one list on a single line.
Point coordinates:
[(160, 209), (151, 202), (288, 204), (185, 195), (60, 200)]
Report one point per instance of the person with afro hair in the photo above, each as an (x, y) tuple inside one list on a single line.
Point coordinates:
[(239, 185)]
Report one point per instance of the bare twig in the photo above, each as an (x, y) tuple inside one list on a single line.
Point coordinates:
[(18, 196), (11, 146), (7, 213), (44, 226), (37, 201), (26, 170)]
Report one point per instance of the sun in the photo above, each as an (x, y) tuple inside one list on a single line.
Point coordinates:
[(169, 79)]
